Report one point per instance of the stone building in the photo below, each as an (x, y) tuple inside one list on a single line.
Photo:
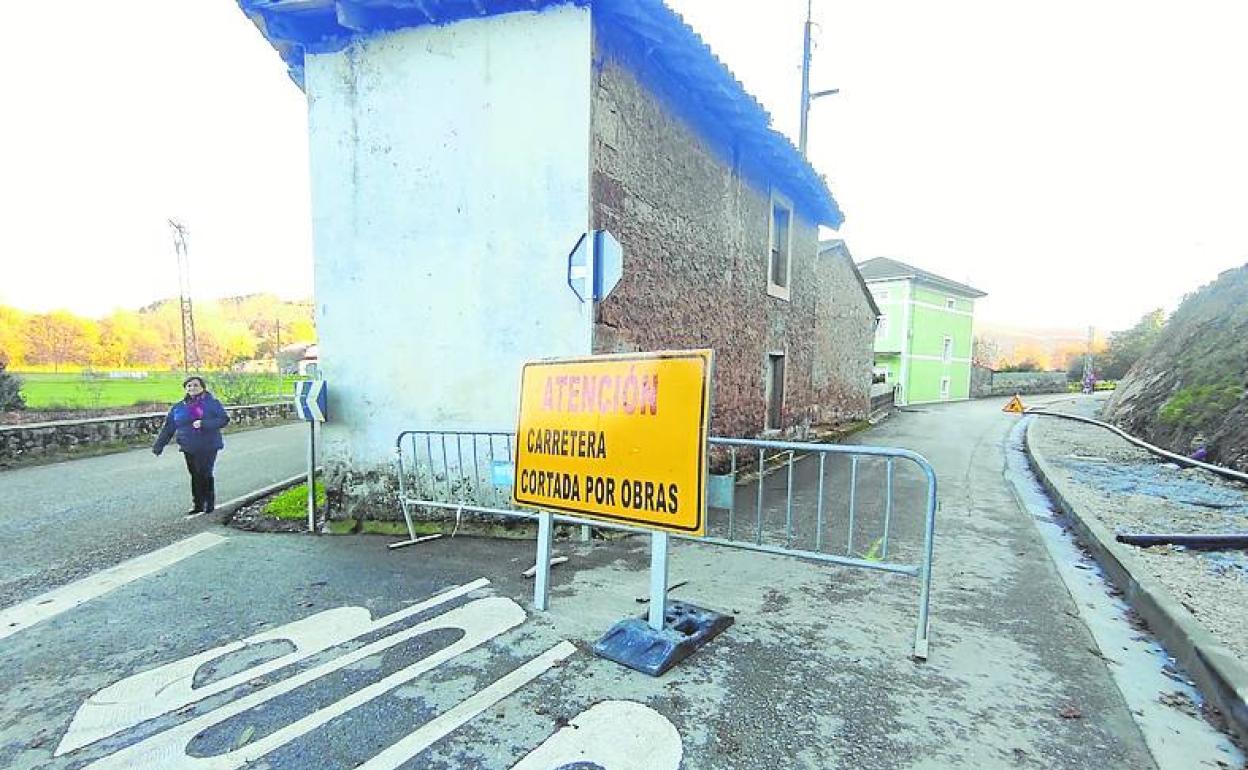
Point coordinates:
[(459, 150)]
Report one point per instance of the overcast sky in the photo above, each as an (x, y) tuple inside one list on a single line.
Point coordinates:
[(1080, 161)]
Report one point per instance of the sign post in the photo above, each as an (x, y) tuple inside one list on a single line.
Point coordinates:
[(623, 439), (545, 543), (311, 402), (595, 267), (312, 477), (658, 579)]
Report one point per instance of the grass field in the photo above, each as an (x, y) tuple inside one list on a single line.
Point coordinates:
[(76, 391)]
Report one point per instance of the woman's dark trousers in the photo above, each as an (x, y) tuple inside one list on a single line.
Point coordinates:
[(203, 487)]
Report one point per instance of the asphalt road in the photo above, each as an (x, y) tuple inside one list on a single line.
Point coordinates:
[(166, 672), (60, 522)]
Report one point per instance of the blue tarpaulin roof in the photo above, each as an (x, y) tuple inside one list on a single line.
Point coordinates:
[(653, 40)]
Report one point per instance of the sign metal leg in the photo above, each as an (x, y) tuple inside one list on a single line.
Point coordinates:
[(312, 476), (658, 579), (545, 539)]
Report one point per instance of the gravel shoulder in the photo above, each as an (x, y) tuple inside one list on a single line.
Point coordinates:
[(1125, 489)]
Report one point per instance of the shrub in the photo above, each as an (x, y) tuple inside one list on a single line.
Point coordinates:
[(239, 389), (1200, 404), (92, 388), (1030, 365), (10, 391)]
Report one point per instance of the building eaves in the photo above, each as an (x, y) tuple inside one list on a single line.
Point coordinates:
[(668, 52), (885, 269)]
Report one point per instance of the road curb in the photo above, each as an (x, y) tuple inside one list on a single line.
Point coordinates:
[(227, 509), (1218, 674)]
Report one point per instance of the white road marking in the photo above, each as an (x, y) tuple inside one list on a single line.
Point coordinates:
[(148, 694), (22, 616), (480, 621), (444, 724), (618, 735)]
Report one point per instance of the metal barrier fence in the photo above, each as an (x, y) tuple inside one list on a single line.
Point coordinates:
[(819, 502)]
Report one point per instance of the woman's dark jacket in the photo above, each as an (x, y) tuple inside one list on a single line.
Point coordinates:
[(179, 420)]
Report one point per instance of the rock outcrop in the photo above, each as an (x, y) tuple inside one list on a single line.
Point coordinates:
[(1192, 385)]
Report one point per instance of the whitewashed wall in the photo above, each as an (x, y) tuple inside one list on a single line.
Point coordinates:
[(450, 179)]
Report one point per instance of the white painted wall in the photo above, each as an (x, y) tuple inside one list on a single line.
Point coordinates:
[(890, 298), (450, 179)]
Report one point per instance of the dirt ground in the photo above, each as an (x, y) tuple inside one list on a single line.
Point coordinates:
[(1132, 491)]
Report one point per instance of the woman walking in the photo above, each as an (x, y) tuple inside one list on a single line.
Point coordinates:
[(196, 421)]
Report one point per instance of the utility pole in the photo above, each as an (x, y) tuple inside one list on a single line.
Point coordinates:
[(277, 352), (807, 96), (190, 348), (1089, 371)]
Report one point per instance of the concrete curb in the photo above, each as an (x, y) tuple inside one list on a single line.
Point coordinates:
[(227, 509), (1218, 673)]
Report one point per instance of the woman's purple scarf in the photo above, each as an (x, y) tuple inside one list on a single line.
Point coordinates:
[(197, 407)]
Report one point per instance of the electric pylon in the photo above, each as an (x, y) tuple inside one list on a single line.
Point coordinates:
[(190, 348)]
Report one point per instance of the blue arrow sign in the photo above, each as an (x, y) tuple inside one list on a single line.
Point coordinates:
[(578, 269), (311, 400)]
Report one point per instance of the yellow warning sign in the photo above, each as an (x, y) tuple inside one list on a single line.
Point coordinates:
[(1015, 406), (619, 438)]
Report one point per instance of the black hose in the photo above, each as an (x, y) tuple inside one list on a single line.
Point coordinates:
[(1227, 473), (1223, 542)]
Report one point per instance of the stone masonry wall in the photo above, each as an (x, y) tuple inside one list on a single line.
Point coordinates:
[(37, 439), (844, 339), (981, 381), (1023, 383), (695, 238)]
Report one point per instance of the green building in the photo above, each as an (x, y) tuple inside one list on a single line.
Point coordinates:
[(923, 339)]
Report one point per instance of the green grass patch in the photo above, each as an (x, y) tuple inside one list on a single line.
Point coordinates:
[(1077, 387), (399, 529), (293, 503), (344, 527), (873, 553), (75, 391), (98, 391)]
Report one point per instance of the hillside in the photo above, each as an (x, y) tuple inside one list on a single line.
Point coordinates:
[(1193, 380), (228, 331)]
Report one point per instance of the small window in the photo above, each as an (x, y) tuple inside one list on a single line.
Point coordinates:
[(944, 388), (775, 391), (780, 249), (881, 295), (951, 303), (947, 354)]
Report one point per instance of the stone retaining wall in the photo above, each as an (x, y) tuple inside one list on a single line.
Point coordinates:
[(986, 383), (883, 399), (981, 381), (42, 438), (1023, 383)]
